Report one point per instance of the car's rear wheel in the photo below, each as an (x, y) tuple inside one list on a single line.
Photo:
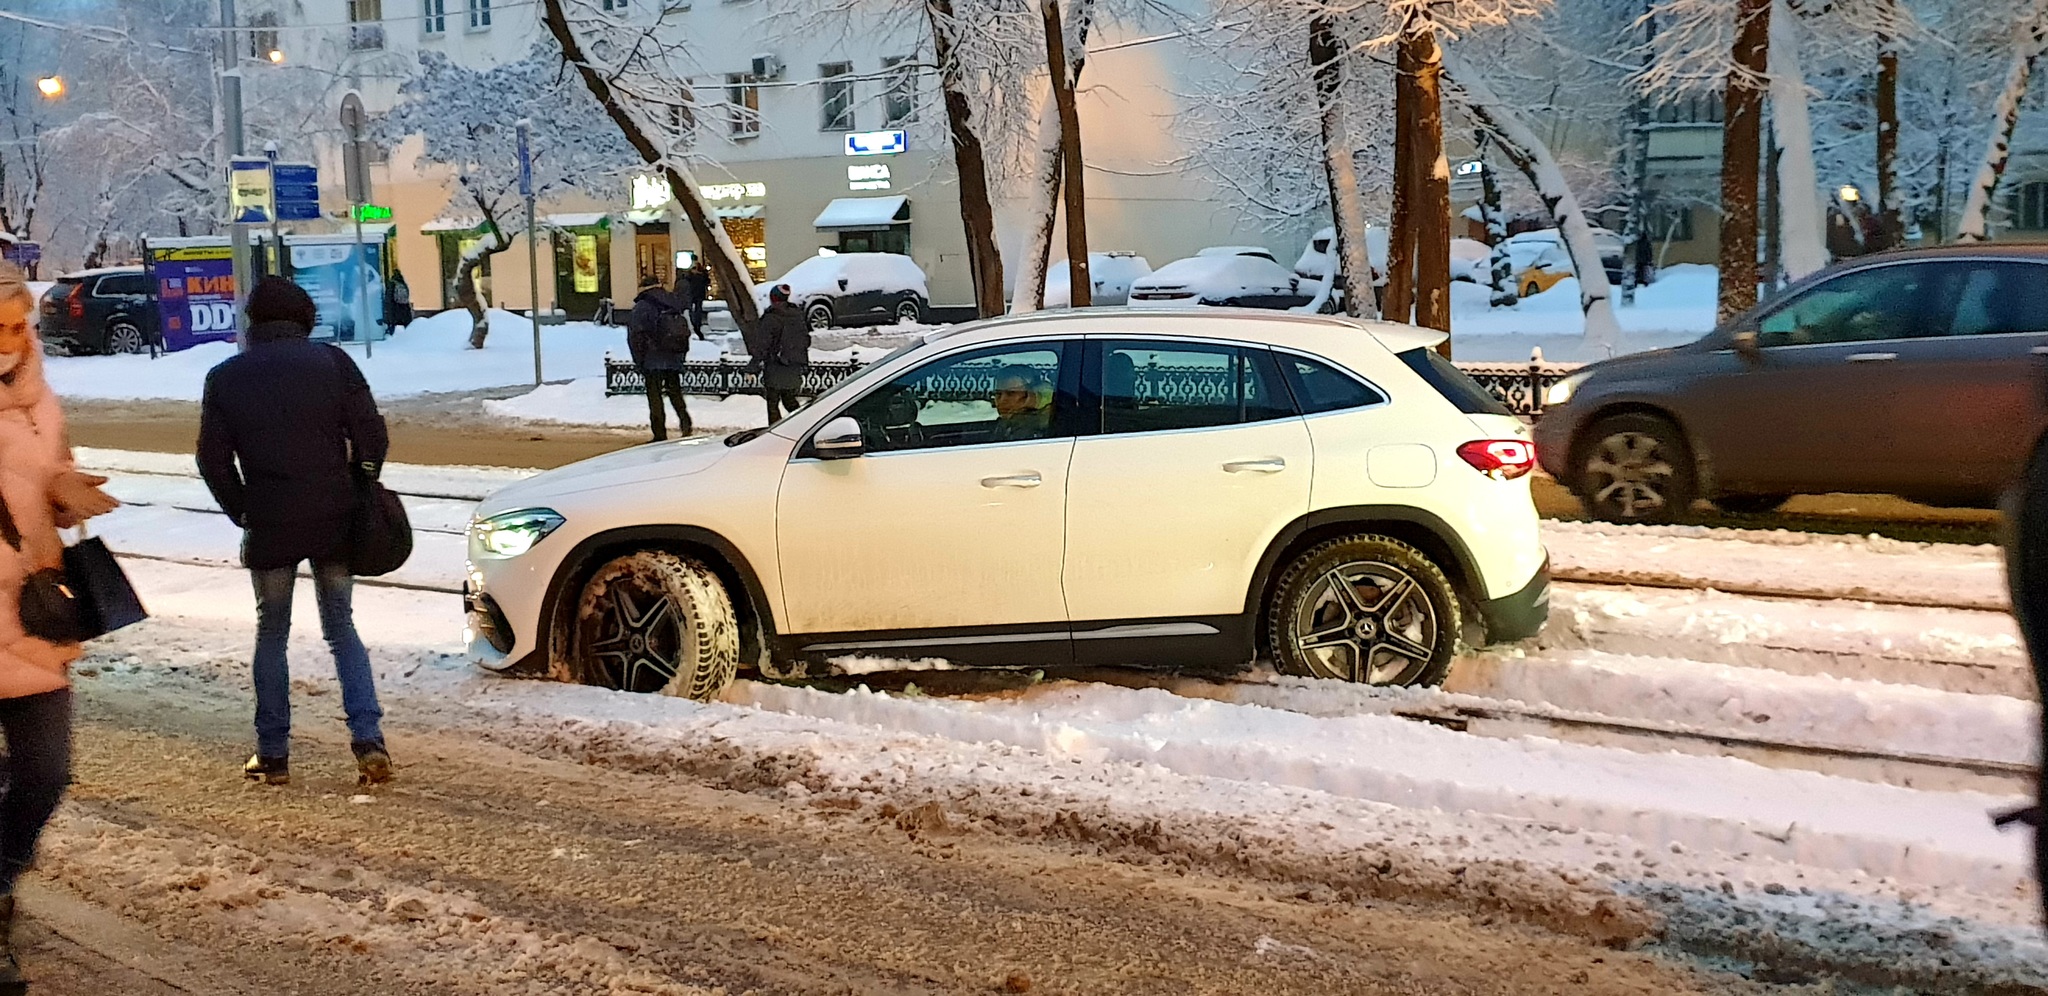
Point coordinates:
[(1531, 289), (1635, 468), (819, 314), (1364, 608), (654, 621), (1751, 504), (124, 336), (908, 312)]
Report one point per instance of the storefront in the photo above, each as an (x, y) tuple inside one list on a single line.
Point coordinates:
[(868, 224), (583, 262), (453, 239)]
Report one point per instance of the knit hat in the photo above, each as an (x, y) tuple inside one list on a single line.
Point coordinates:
[(276, 299), (778, 293)]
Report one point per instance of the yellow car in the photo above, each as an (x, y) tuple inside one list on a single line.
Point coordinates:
[(1540, 270)]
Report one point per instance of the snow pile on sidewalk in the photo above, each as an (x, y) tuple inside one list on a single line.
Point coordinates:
[(583, 402)]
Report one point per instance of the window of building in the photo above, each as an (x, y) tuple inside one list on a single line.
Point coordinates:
[(434, 16), (479, 14), (1699, 108), (743, 105), (262, 34), (1668, 223), (617, 6), (2030, 206), (835, 97), (899, 99), (896, 240), (682, 120), (365, 24)]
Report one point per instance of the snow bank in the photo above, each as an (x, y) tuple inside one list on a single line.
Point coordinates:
[(1678, 308)]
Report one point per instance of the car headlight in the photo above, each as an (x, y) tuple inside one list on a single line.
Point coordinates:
[(1562, 391), (509, 534)]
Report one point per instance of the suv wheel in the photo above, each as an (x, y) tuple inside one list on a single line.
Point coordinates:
[(908, 312), (124, 336), (820, 315), (653, 621), (1635, 468), (1364, 608)]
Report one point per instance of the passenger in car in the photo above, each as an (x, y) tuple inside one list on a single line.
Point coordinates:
[(1023, 403)]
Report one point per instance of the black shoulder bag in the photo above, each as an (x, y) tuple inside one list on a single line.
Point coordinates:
[(379, 532), (88, 597)]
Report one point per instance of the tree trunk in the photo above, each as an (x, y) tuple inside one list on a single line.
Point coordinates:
[(1799, 211), (970, 167), (1741, 147), (1431, 211), (726, 262), (1891, 227), (1975, 224), (1500, 271), (1029, 294), (465, 285), (1349, 256), (1080, 286), (1528, 152), (1399, 302)]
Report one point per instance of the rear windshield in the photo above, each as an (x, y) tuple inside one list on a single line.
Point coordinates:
[(1452, 383)]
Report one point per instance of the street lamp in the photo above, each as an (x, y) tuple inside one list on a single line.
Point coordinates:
[(51, 86), (276, 56), (1849, 194)]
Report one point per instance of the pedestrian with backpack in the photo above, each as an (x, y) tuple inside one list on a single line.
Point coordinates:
[(658, 336), (781, 350), (289, 437)]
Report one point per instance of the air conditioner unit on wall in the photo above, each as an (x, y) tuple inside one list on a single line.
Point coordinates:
[(767, 67)]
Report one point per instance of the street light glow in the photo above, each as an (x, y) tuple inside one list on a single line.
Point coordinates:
[(1849, 194), (276, 56), (51, 86)]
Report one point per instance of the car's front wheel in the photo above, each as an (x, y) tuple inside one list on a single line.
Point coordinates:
[(125, 337), (654, 621), (1635, 467), (1364, 608), (819, 314)]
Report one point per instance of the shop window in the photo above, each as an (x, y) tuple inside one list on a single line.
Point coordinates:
[(899, 101), (743, 105), (896, 240)]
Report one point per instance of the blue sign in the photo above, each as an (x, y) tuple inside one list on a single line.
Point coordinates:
[(297, 187), (525, 161), (195, 294), (22, 253), (876, 143), (346, 284)]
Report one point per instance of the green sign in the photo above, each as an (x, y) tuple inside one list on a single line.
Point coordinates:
[(372, 212)]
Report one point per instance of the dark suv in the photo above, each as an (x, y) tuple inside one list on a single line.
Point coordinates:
[(100, 311), (1909, 373)]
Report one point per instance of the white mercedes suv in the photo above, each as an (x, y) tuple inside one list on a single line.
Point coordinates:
[(1192, 491)]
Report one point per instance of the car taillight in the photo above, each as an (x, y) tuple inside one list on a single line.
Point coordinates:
[(76, 304), (1502, 459)]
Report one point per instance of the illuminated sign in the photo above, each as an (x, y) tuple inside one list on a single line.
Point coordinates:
[(1471, 167), (732, 191), (372, 212), (650, 193), (876, 143), (867, 176)]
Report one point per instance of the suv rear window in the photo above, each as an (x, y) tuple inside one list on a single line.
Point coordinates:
[(118, 284), (1452, 383)]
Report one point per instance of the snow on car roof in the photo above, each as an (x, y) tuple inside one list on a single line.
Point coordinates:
[(1224, 275), (862, 271), (100, 272)]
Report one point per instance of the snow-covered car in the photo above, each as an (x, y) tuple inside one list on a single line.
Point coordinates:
[(1256, 252), (1193, 490), (1548, 262), (1226, 279), (854, 288), (1317, 259), (1470, 259), (1111, 273)]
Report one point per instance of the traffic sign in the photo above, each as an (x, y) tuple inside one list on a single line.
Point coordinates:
[(525, 136), (297, 191), (250, 195)]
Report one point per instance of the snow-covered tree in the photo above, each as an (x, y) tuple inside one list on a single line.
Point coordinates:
[(2029, 43)]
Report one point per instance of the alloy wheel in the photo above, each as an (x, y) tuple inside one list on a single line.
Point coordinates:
[(906, 312), (123, 337), (1629, 472), (638, 639), (1366, 621)]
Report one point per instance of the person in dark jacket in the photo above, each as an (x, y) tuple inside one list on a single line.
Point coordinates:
[(659, 350), (693, 286), (781, 350), (285, 430)]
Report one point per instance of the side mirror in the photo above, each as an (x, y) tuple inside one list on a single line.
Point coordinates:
[(1745, 346), (840, 439)]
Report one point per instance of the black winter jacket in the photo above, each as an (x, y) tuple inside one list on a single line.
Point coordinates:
[(283, 429), (781, 344), (644, 338)]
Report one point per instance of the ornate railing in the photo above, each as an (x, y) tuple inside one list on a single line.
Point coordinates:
[(1520, 386)]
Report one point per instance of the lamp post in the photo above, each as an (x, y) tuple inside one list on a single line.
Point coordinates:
[(231, 121), (51, 87)]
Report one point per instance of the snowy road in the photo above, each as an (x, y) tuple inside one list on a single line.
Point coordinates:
[(1286, 780)]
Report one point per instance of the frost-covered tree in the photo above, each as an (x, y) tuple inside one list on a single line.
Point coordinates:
[(2030, 42), (467, 121)]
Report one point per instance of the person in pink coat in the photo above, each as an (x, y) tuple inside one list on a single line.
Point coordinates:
[(42, 492)]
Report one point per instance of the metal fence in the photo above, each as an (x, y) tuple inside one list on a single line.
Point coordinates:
[(1520, 386)]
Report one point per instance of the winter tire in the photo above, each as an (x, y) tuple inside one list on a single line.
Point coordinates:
[(908, 312), (1635, 468), (820, 316), (1531, 289), (1751, 504), (1364, 608), (653, 621), (125, 338)]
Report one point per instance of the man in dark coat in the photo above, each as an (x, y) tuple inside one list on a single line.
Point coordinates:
[(781, 350), (693, 286), (285, 431), (659, 344)]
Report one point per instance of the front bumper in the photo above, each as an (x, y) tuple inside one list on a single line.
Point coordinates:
[(1553, 435), (1521, 615)]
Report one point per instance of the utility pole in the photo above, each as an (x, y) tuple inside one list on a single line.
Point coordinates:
[(231, 120)]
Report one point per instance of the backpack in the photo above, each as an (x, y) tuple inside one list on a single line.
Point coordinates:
[(674, 332)]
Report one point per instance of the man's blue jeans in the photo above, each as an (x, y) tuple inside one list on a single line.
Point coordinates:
[(332, 588)]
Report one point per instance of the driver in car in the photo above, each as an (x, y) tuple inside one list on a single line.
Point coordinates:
[(1023, 401)]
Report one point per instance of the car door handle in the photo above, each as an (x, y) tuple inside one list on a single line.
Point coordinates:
[(1872, 357), (1269, 465), (1029, 479)]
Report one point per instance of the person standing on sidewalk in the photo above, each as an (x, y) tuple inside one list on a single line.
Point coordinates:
[(659, 339), (781, 350), (693, 286), (286, 430), (40, 492)]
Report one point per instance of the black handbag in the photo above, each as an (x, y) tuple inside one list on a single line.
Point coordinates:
[(379, 533), (90, 596)]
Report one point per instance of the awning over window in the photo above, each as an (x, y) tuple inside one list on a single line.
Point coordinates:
[(737, 211), (864, 214), (589, 219), (452, 225)]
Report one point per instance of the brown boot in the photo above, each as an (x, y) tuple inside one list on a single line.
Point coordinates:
[(11, 981)]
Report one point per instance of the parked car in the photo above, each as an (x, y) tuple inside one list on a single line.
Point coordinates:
[(109, 310), (1256, 252), (1111, 273), (855, 288), (1471, 260), (1229, 276), (1198, 490), (1542, 261), (1909, 373)]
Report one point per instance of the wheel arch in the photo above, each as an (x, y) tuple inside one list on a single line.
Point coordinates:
[(1702, 465), (1419, 528), (750, 601)]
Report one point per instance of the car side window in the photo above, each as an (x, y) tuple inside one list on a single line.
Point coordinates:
[(1885, 302), (2000, 298), (1320, 387), (1157, 386), (119, 285), (1001, 394)]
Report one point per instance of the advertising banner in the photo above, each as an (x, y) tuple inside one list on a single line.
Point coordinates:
[(195, 293), (333, 270)]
